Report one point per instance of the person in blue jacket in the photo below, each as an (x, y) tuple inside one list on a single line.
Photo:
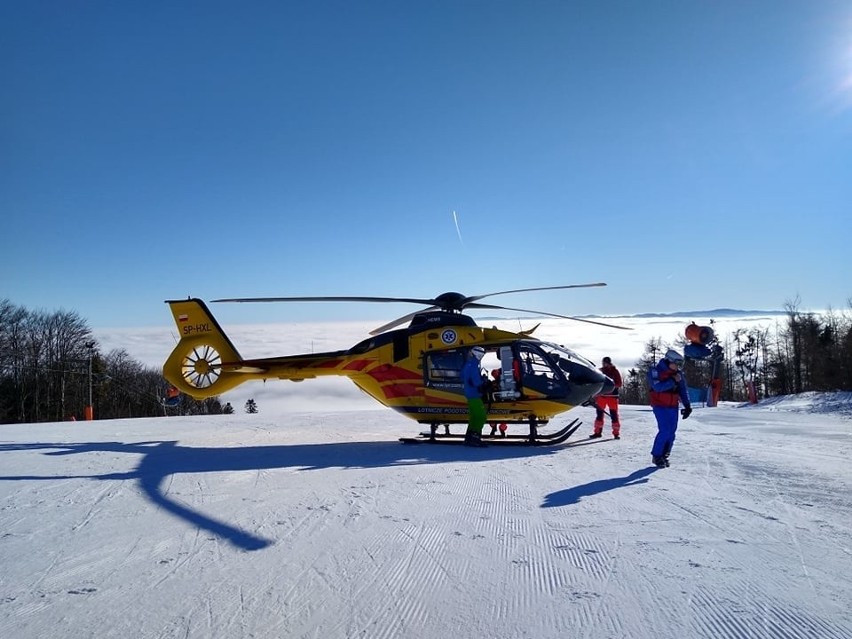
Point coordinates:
[(471, 374), (667, 389)]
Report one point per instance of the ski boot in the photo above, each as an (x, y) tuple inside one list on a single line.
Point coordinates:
[(474, 439)]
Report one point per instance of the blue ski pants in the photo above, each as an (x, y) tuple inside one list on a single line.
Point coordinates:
[(666, 428)]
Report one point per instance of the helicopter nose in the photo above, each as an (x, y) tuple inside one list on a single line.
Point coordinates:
[(585, 382), (608, 386), (585, 374)]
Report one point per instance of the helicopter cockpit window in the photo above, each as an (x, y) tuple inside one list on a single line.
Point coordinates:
[(444, 367), (538, 372), (533, 363)]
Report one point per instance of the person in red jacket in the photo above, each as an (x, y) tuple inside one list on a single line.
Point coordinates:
[(608, 401), (667, 390)]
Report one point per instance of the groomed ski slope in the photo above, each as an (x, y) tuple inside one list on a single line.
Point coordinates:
[(323, 525)]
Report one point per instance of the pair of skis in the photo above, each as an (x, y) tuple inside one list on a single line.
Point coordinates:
[(539, 439)]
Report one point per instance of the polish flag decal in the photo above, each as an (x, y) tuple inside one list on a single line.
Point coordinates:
[(183, 318)]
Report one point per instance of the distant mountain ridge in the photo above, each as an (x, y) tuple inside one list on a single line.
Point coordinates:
[(713, 313), (716, 312)]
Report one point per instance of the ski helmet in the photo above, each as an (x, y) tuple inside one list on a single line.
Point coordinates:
[(478, 351), (674, 357)]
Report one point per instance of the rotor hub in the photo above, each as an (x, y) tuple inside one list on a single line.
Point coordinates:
[(451, 301)]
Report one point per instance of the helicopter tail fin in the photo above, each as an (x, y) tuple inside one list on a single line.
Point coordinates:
[(205, 362)]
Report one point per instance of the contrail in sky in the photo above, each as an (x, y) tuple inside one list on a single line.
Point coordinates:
[(458, 230)]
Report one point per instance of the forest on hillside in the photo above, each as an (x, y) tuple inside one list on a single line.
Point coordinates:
[(807, 352), (52, 367)]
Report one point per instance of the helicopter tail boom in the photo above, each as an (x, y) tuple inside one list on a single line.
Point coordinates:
[(205, 362)]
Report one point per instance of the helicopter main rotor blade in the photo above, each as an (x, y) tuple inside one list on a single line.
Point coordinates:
[(402, 320), (409, 300), (526, 310), (447, 301), (474, 298), (450, 302)]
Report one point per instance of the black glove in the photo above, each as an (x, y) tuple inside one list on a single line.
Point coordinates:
[(686, 412)]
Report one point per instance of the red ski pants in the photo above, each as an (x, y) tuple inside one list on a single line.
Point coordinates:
[(608, 403)]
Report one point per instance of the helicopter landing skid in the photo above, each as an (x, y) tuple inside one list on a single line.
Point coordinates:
[(550, 439), (537, 435)]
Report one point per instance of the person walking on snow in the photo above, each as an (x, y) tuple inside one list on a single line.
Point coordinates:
[(608, 401), (667, 388), (471, 374)]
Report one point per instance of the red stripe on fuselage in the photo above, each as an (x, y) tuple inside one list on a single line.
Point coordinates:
[(388, 373), (394, 391), (357, 365), (332, 363)]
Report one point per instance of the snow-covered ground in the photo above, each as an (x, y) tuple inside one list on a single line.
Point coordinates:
[(323, 525)]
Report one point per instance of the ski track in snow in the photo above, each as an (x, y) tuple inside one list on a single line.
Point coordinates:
[(324, 526)]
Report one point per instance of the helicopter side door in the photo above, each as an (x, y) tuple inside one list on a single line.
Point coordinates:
[(507, 376)]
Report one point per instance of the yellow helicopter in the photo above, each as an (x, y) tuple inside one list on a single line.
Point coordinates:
[(415, 370)]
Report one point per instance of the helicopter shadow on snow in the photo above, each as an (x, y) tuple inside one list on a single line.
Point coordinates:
[(160, 460)]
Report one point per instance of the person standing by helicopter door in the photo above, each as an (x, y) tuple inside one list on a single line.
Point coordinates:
[(471, 374), (608, 401)]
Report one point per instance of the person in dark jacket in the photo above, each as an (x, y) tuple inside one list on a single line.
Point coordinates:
[(607, 402), (471, 374), (667, 389)]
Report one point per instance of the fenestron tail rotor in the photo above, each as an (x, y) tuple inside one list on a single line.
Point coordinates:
[(451, 302), (201, 367)]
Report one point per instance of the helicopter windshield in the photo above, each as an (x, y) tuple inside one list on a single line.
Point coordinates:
[(559, 353), (577, 369)]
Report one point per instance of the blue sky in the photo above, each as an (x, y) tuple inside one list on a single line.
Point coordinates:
[(691, 154)]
